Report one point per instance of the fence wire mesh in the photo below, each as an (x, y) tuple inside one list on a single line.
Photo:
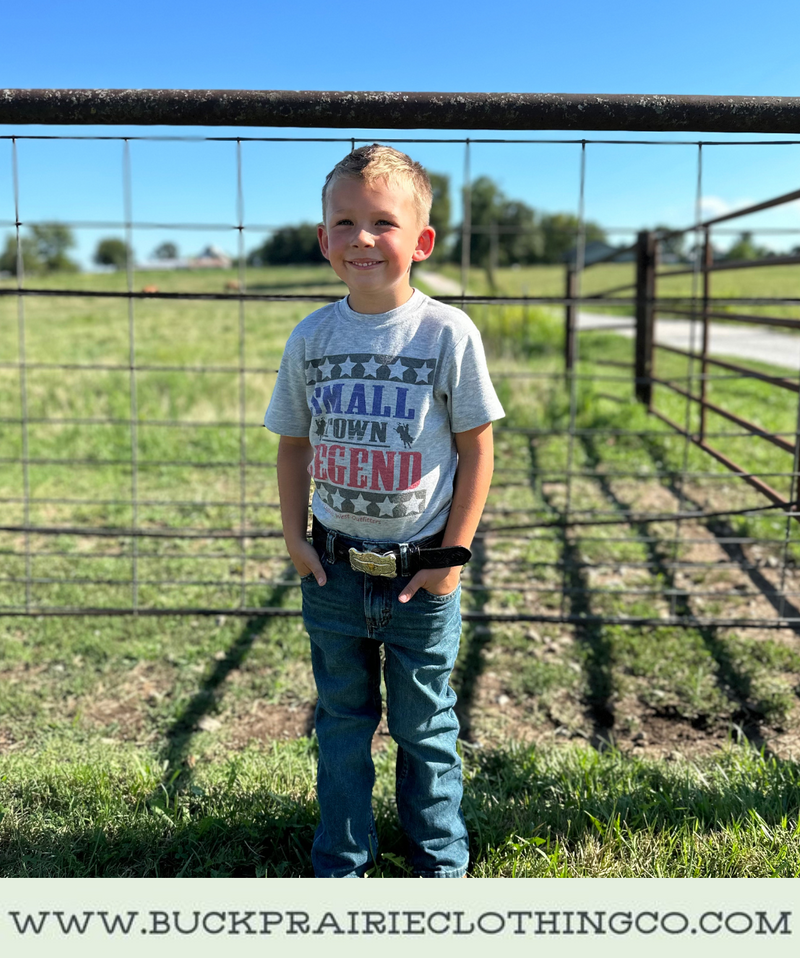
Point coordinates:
[(636, 481)]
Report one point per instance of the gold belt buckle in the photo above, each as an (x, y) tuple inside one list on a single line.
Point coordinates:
[(373, 563)]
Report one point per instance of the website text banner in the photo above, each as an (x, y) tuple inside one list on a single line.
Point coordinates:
[(619, 917)]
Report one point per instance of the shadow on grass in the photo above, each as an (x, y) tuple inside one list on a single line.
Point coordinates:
[(590, 635), (722, 530), (179, 735), (515, 795), (544, 802), (471, 662), (735, 684)]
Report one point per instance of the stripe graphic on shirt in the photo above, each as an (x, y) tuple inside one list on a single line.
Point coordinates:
[(357, 502), (406, 369)]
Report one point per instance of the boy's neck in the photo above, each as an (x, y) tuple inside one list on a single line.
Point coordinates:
[(379, 302)]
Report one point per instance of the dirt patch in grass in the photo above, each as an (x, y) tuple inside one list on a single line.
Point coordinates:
[(265, 722), (123, 710)]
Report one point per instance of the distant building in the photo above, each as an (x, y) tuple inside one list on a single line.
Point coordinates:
[(212, 257), (597, 250), (149, 264)]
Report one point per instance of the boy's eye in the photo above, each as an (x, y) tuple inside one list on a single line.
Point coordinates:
[(344, 222), (384, 223)]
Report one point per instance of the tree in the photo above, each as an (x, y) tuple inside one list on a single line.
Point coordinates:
[(43, 250), (745, 248), (489, 239), (289, 244), (52, 240), (112, 252), (30, 256), (560, 235), (166, 250)]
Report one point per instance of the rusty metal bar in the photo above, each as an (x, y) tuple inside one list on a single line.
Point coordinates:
[(751, 427), (750, 479), (397, 110), (745, 211), (735, 367), (256, 612), (645, 295), (738, 264)]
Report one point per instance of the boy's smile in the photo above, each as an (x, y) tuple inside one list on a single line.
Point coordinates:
[(371, 235)]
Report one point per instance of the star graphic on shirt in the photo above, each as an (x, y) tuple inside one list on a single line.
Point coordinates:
[(322, 492), (326, 369), (396, 369), (347, 367), (386, 507), (336, 500), (360, 504), (371, 368), (422, 375)]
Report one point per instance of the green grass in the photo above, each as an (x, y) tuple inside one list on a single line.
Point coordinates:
[(182, 745), (102, 811), (771, 281)]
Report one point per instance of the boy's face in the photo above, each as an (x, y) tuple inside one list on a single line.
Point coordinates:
[(371, 235)]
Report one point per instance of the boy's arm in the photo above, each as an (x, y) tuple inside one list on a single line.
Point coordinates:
[(473, 477), (294, 455)]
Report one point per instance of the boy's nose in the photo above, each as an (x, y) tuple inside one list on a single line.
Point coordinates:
[(364, 238)]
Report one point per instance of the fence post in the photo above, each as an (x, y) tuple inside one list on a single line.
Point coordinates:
[(645, 295), (570, 315)]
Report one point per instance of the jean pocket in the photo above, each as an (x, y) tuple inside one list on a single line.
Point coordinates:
[(440, 598)]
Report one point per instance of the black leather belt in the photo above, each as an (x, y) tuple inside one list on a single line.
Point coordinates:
[(387, 563)]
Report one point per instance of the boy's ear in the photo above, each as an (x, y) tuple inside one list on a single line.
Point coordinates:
[(322, 236), (425, 244)]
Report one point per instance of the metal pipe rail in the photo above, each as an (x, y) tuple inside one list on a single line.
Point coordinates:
[(403, 111)]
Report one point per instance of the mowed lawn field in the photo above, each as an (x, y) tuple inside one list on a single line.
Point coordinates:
[(184, 744), (761, 281)]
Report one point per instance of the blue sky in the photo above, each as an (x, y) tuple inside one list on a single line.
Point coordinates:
[(581, 47)]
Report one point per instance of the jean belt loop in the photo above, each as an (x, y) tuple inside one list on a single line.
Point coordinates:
[(404, 563), (330, 547)]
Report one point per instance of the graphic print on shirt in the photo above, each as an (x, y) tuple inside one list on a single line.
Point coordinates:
[(367, 411)]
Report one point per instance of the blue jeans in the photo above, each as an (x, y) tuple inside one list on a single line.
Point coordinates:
[(347, 620)]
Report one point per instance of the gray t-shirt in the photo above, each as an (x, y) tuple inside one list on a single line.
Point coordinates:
[(379, 396)]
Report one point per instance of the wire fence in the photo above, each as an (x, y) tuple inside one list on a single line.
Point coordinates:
[(634, 485)]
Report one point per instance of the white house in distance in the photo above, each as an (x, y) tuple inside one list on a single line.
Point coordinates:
[(212, 257)]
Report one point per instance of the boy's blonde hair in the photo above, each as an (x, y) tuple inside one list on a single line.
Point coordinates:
[(375, 162)]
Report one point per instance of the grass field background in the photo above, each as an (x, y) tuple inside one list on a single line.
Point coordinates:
[(184, 745), (766, 281)]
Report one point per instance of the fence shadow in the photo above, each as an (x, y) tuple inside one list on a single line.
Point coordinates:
[(514, 794), (590, 635), (179, 735), (471, 662)]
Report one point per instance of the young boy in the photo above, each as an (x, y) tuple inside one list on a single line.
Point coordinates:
[(385, 399)]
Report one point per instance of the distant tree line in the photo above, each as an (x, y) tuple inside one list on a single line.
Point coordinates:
[(503, 232), (43, 248)]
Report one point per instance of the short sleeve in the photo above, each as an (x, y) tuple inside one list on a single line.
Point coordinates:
[(288, 413), (471, 397)]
